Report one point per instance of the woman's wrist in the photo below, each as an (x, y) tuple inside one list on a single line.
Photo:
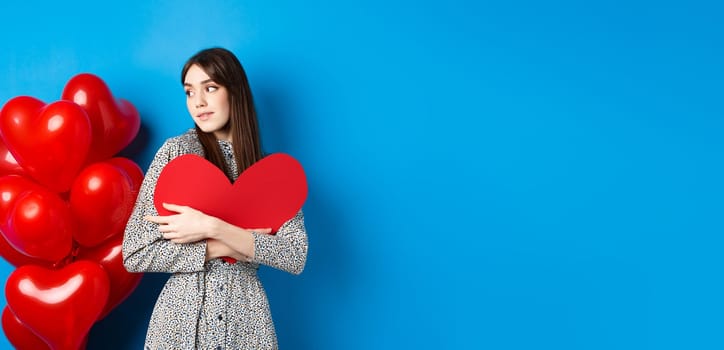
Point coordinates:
[(213, 249), (214, 227), (229, 240)]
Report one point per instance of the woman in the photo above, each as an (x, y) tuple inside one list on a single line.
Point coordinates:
[(210, 303)]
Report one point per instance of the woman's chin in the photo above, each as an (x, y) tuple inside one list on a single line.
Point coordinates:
[(206, 127)]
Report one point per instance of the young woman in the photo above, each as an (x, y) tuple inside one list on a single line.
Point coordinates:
[(209, 303)]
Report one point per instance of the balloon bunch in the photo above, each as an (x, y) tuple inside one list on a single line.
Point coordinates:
[(64, 203)]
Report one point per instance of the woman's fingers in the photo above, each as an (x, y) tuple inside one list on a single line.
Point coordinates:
[(165, 228), (158, 219), (175, 208), (178, 240), (172, 236), (260, 230)]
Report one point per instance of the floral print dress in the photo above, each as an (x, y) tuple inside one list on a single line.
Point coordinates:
[(214, 304)]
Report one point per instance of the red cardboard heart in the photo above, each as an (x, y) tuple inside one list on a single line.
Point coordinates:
[(265, 195)]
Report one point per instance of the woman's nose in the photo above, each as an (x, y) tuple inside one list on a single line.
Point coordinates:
[(200, 101)]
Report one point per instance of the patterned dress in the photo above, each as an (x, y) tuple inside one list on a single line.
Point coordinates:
[(214, 304)]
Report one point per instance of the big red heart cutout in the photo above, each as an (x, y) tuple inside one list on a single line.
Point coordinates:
[(265, 195), (60, 306), (115, 122), (49, 141)]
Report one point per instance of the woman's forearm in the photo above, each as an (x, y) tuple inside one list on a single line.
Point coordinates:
[(229, 240), (216, 249)]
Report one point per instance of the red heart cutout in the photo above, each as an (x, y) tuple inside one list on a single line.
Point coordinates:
[(60, 306), (49, 141), (19, 335), (122, 282), (115, 122), (35, 221), (266, 194)]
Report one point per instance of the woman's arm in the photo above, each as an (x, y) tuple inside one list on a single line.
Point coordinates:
[(287, 250), (144, 248), (190, 225)]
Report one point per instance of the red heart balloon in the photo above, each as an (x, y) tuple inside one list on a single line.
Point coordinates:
[(16, 258), (10, 188), (35, 221), (18, 335), (115, 122), (132, 170), (101, 200), (266, 194), (8, 164), (122, 282), (60, 306), (49, 141)]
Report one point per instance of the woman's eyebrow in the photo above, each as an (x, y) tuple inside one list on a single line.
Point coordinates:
[(203, 82)]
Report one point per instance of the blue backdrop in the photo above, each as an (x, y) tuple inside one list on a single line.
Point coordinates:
[(524, 175)]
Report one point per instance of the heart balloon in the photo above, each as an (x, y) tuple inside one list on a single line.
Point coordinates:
[(110, 257), (35, 221), (18, 335), (101, 200), (60, 306), (10, 188), (8, 164), (132, 170), (50, 141), (115, 122), (16, 258), (265, 195)]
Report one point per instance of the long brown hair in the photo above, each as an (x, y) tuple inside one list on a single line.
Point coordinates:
[(224, 68)]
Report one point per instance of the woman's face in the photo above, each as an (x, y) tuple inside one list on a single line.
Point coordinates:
[(208, 103)]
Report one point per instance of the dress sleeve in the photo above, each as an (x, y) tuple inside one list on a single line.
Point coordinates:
[(287, 250), (144, 248)]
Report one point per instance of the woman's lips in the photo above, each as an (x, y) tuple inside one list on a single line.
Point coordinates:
[(204, 116)]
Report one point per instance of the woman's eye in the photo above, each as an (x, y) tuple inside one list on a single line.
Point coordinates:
[(189, 93), (211, 88)]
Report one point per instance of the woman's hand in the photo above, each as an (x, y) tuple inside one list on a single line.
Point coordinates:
[(189, 225)]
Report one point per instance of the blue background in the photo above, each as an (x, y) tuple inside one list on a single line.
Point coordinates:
[(524, 175)]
